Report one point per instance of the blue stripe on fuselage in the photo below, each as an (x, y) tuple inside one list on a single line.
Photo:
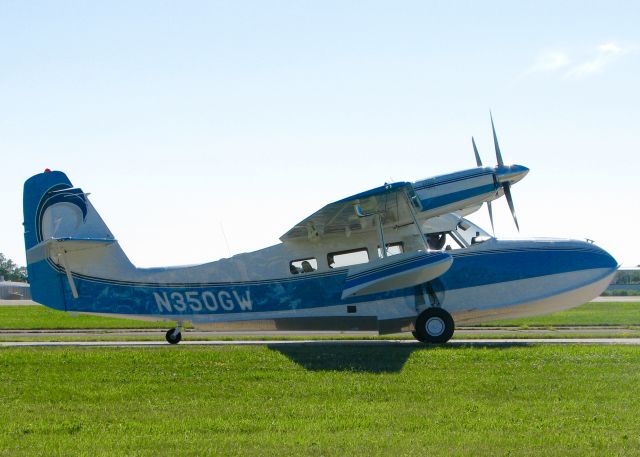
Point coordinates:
[(439, 201)]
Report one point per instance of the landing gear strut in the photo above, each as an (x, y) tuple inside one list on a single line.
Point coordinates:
[(434, 325), (174, 335)]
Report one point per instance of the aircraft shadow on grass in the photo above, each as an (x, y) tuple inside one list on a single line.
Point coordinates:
[(352, 357), (379, 358)]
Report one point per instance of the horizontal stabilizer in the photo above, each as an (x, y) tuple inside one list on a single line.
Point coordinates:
[(54, 246)]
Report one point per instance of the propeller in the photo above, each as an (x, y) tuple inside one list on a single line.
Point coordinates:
[(506, 186), (495, 142), (479, 163)]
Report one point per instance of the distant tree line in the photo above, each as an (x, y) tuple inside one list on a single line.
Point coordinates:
[(620, 293), (627, 277), (10, 271)]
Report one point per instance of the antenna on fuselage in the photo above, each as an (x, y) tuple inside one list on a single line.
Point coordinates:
[(224, 235)]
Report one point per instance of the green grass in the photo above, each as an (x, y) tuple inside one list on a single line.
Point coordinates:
[(41, 317), (593, 313), (321, 400)]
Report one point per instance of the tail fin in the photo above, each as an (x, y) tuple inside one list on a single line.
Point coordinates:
[(63, 235)]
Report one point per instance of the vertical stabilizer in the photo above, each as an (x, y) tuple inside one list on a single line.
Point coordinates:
[(65, 236)]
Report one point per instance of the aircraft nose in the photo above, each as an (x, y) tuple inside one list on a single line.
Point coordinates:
[(511, 173), (588, 255), (601, 257)]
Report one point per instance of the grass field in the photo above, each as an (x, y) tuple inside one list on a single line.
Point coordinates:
[(41, 317), (593, 313), (321, 400)]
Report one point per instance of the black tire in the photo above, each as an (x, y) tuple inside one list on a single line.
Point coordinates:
[(173, 337), (434, 325)]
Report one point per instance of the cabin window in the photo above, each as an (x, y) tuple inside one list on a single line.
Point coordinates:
[(303, 266), (346, 258), (392, 249)]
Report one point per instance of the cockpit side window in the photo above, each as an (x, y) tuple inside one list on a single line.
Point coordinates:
[(301, 266), (346, 258), (392, 249)]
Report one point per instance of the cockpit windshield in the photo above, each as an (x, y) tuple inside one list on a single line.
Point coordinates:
[(456, 233), (469, 233)]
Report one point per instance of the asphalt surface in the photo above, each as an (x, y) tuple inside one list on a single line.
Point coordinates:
[(617, 299), (195, 334), (18, 303), (192, 336)]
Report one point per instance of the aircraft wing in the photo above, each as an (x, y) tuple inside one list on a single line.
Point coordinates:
[(461, 193), (342, 216)]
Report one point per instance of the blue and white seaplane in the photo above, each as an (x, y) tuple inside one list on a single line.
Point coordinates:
[(400, 257)]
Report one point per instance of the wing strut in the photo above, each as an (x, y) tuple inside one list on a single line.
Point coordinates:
[(62, 255), (383, 246), (415, 221)]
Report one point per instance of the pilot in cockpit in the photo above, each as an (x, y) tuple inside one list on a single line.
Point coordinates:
[(436, 241)]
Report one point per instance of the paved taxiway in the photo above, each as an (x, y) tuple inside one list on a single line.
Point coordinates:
[(453, 343), (94, 336), (193, 335), (610, 331), (628, 299)]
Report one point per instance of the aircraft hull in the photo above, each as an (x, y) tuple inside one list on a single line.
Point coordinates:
[(495, 279)]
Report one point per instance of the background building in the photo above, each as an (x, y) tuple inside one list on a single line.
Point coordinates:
[(10, 290), (625, 282)]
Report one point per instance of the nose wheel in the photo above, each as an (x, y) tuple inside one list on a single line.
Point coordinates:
[(434, 325), (174, 335)]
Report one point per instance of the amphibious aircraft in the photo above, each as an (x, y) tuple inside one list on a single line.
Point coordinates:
[(399, 257)]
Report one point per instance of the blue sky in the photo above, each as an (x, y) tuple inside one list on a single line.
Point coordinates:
[(189, 119)]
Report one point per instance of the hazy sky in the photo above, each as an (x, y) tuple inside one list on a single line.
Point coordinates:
[(189, 119)]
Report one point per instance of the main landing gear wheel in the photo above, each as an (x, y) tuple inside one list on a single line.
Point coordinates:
[(173, 336), (434, 325)]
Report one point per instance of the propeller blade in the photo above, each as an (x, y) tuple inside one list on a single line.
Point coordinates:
[(495, 142), (493, 230), (475, 149), (507, 193)]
